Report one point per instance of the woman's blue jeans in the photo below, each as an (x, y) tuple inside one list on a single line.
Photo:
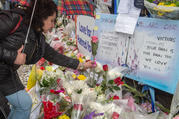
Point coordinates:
[(21, 104)]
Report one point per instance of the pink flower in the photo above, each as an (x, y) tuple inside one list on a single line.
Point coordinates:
[(79, 55), (131, 104), (177, 117), (94, 39)]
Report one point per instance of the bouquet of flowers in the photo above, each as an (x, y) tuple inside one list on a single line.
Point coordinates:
[(167, 9)]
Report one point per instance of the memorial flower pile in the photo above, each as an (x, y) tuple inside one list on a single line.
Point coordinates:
[(67, 93), (166, 3)]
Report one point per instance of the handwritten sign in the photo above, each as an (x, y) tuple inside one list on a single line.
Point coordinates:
[(85, 26), (151, 52), (110, 42)]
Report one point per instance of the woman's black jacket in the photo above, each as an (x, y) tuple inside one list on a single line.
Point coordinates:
[(35, 49)]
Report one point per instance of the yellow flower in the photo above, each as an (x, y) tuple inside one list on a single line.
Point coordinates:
[(74, 76), (161, 3), (160, 13), (81, 77), (64, 117), (172, 5), (81, 60)]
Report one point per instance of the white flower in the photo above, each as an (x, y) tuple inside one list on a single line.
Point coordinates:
[(90, 94), (97, 106), (60, 74), (69, 87), (68, 75), (114, 73), (101, 98), (87, 57), (98, 68)]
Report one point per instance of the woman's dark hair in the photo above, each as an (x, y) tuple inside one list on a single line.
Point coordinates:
[(43, 9)]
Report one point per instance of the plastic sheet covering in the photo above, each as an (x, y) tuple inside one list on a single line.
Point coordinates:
[(162, 11)]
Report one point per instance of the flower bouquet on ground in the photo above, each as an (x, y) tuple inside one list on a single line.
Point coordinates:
[(166, 9), (109, 86), (78, 106), (79, 96), (105, 111)]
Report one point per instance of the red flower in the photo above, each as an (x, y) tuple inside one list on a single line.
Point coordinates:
[(58, 81), (50, 110), (115, 115), (115, 97), (105, 67), (52, 91), (78, 107), (42, 68), (118, 81), (97, 84), (56, 39)]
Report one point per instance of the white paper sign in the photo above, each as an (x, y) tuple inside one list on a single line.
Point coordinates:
[(85, 26), (127, 19), (124, 6)]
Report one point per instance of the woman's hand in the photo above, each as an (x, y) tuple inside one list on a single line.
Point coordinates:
[(86, 65), (21, 57)]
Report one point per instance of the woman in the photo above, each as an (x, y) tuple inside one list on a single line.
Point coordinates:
[(11, 55)]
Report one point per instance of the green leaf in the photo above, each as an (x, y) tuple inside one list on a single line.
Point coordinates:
[(167, 3), (116, 88), (150, 0), (111, 82), (111, 89), (45, 83), (79, 91), (177, 3)]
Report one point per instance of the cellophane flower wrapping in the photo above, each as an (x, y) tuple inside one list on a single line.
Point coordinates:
[(78, 106), (158, 11), (110, 110)]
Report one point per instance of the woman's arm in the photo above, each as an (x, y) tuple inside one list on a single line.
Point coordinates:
[(59, 59)]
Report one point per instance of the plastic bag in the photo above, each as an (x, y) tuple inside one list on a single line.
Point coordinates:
[(162, 11), (137, 115), (36, 74), (36, 100), (78, 106)]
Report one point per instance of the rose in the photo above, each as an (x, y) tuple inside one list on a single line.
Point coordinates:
[(94, 39), (118, 81), (94, 45), (105, 67), (115, 97)]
